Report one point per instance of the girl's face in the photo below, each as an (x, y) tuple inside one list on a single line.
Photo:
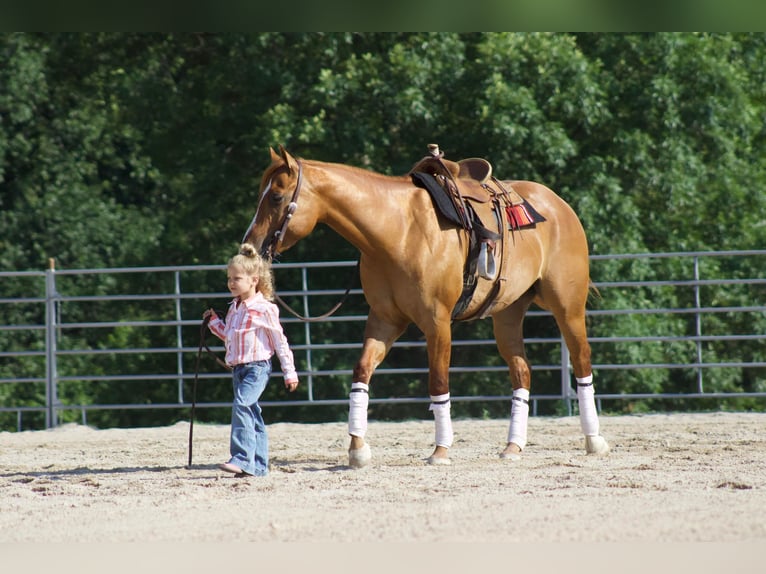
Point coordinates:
[(241, 284)]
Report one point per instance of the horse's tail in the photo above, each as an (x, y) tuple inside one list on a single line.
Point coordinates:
[(593, 291)]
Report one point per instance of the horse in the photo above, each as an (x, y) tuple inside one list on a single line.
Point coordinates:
[(412, 269)]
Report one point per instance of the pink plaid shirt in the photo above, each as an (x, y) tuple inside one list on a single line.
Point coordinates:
[(252, 332)]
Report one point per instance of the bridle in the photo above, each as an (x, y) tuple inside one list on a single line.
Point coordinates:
[(278, 236)]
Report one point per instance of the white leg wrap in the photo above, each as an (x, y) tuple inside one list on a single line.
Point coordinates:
[(517, 431), (587, 403), (441, 407), (358, 401)]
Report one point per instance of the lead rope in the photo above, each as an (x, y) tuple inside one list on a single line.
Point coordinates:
[(324, 315), (279, 236), (202, 345)]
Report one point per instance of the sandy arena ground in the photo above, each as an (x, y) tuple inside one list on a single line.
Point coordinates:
[(682, 478)]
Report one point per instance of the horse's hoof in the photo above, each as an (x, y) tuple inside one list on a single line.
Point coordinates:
[(510, 456), (512, 451), (438, 460), (596, 445), (360, 457)]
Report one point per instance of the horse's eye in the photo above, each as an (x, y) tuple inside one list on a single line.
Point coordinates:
[(276, 198)]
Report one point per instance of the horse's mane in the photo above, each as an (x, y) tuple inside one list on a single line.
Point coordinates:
[(356, 171)]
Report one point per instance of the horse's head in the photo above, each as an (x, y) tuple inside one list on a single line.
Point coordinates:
[(278, 222)]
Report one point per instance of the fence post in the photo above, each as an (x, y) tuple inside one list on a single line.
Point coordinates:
[(307, 332), (51, 371), (698, 322), (179, 337)]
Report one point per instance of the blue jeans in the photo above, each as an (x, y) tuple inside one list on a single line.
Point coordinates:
[(249, 445)]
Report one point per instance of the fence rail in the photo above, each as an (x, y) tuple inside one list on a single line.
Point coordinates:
[(41, 337)]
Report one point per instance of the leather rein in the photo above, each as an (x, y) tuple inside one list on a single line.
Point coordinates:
[(277, 238)]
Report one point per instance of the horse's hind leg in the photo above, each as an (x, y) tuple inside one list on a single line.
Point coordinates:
[(378, 338), (510, 342), (573, 330), (571, 323)]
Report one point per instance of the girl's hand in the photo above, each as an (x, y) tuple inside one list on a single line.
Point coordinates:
[(291, 385), (209, 313)]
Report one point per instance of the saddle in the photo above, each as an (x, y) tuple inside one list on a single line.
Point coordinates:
[(472, 177), (460, 191)]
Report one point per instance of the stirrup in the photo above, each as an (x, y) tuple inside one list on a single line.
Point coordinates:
[(486, 263)]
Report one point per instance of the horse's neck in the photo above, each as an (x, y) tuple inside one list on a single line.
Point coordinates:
[(364, 207)]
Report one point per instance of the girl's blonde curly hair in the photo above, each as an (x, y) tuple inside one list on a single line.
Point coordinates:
[(252, 263)]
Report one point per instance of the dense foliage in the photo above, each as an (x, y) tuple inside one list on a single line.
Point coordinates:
[(147, 149)]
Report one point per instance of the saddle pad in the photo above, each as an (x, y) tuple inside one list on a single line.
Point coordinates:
[(522, 215), (438, 195)]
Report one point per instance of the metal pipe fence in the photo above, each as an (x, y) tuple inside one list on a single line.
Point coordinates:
[(68, 337)]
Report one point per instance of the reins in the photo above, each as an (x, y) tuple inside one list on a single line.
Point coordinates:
[(277, 238), (202, 345), (328, 313)]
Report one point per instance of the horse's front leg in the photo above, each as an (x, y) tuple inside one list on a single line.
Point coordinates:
[(439, 343), (379, 335)]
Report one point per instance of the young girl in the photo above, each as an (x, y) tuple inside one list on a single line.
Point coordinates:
[(252, 334)]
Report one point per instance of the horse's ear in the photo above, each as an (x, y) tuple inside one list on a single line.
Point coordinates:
[(274, 155), (287, 158)]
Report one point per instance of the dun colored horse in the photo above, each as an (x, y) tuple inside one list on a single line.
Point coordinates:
[(413, 270)]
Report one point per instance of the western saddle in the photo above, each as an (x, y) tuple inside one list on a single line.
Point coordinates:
[(454, 188)]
